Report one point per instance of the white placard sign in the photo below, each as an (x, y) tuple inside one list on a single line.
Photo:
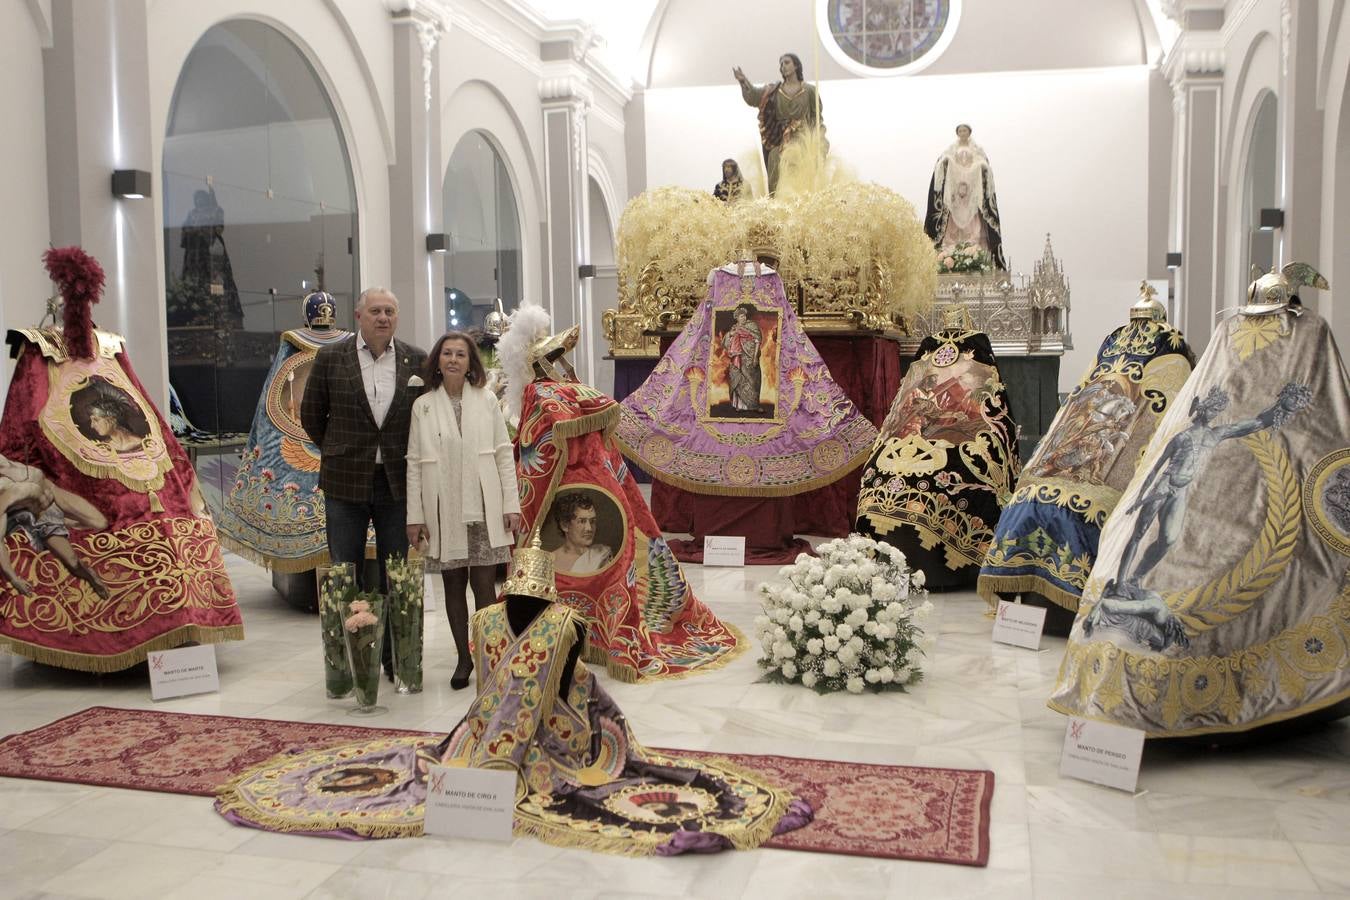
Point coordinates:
[(1102, 753), (187, 670), (1019, 624), (724, 550), (470, 803)]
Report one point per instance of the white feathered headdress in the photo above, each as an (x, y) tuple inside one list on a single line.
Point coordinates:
[(529, 324)]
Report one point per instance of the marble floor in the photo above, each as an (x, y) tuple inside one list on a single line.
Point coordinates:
[(1264, 822)]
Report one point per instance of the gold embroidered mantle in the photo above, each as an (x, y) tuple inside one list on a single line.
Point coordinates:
[(1220, 600)]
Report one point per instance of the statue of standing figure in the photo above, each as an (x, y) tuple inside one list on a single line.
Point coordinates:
[(787, 110), (962, 205)]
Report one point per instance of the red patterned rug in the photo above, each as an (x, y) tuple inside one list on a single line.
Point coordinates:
[(892, 812)]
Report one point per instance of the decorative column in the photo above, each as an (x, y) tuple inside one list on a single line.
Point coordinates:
[(566, 98), (97, 88), (1195, 71), (417, 276), (1301, 124)]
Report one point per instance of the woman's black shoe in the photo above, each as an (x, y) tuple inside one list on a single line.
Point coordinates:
[(460, 682)]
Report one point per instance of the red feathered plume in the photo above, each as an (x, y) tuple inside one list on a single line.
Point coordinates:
[(79, 277)]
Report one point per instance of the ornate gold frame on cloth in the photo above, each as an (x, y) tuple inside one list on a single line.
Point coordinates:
[(140, 470)]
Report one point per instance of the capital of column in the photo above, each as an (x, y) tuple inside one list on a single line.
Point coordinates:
[(1286, 30), (1194, 57), (429, 24), (1186, 12), (565, 89)]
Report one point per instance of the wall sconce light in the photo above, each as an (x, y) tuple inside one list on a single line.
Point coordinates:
[(1174, 260), (586, 271), (1271, 219), (438, 243), (131, 184)]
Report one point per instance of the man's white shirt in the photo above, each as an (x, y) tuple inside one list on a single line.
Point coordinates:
[(380, 377)]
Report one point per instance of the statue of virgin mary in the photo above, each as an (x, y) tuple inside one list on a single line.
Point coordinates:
[(962, 206)]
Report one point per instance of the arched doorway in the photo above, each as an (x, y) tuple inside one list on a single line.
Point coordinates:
[(259, 208), (605, 283), (1334, 306), (482, 219), (1260, 186)]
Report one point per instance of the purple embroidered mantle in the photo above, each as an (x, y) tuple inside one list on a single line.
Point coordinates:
[(742, 404)]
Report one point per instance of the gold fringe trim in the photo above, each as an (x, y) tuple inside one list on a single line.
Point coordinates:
[(990, 586), (229, 801), (1272, 719), (90, 662), (628, 675), (719, 490), (280, 564), (603, 420)]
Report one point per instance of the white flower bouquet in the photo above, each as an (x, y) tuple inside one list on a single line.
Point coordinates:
[(337, 588), (965, 257), (405, 610), (849, 620)]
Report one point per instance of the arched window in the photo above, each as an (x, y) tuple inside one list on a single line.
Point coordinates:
[(259, 207), (484, 226), (1260, 184), (886, 37)]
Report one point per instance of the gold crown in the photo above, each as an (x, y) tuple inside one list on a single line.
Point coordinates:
[(532, 572), (1147, 307), (764, 240)]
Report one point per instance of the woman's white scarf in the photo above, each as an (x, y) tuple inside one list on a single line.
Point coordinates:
[(469, 489)]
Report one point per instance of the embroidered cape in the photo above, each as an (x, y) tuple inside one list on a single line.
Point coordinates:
[(112, 539), (742, 404), (582, 778), (1219, 600), (645, 621), (946, 460), (274, 513), (1046, 540)]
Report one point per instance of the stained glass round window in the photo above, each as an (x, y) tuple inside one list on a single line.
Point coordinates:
[(887, 37)]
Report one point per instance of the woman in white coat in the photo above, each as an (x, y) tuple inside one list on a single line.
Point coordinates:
[(463, 504)]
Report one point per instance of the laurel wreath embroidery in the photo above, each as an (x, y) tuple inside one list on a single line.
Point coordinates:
[(1232, 594)]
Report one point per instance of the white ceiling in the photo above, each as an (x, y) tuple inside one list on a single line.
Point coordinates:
[(624, 25)]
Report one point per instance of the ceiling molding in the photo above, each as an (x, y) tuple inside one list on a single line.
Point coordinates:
[(537, 30), (42, 20)]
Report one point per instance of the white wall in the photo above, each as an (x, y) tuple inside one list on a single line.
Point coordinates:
[(25, 229), (1069, 152)]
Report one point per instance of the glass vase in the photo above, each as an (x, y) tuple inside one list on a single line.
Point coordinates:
[(364, 644), (405, 615), (334, 590)]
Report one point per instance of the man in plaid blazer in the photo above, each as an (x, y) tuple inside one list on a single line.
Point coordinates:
[(357, 407)]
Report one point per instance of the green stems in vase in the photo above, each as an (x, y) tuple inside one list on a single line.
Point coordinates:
[(364, 628), (404, 614), (336, 591)]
